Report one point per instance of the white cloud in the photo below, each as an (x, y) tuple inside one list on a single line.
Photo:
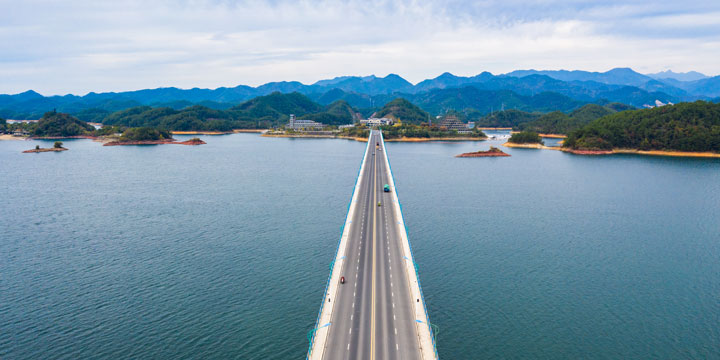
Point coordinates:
[(80, 46)]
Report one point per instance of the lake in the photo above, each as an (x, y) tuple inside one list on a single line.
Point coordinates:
[(223, 250)]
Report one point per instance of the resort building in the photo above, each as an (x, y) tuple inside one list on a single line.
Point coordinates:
[(296, 124), (451, 122), (377, 121)]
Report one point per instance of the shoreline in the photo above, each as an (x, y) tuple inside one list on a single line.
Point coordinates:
[(554, 136), (408, 139), (310, 136), (494, 128), (200, 132), (530, 146), (667, 153), (403, 139), (235, 131), (154, 142), (9, 137), (618, 151), (62, 137)]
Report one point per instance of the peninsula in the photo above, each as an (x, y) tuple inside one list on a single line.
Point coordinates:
[(686, 129)]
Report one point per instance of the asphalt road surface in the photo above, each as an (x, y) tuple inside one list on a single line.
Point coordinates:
[(373, 314)]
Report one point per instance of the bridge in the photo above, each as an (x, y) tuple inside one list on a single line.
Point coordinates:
[(379, 311)]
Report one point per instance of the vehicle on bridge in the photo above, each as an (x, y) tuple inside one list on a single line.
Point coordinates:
[(342, 279), (386, 188)]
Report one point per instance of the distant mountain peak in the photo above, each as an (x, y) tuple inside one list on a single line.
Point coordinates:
[(29, 93), (686, 76)]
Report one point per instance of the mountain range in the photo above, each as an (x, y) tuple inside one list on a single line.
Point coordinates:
[(530, 90)]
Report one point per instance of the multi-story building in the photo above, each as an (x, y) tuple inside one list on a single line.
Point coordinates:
[(377, 121), (451, 122), (300, 124)]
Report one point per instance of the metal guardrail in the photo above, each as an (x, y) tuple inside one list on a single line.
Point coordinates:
[(402, 217), (332, 266)]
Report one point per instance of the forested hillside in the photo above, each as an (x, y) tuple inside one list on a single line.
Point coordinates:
[(682, 127)]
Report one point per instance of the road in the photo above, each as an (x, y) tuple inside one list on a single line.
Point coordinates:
[(373, 314)]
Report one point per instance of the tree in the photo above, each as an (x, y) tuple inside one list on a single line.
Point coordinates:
[(525, 137), (58, 144)]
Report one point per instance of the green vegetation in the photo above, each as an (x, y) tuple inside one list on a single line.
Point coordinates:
[(508, 118), (560, 123), (359, 131), (424, 131), (682, 127), (110, 130), (259, 113), (277, 106), (403, 110), (195, 118), (58, 144), (145, 134), (92, 115), (525, 137), (55, 124), (337, 113)]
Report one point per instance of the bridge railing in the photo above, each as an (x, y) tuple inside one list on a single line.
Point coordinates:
[(337, 249), (402, 217)]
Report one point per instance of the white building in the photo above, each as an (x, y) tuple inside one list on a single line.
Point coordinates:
[(377, 121), (296, 124)]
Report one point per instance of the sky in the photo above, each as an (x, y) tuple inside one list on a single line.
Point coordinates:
[(58, 47)]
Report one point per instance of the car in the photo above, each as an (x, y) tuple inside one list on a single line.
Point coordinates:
[(386, 188), (342, 279), (378, 203)]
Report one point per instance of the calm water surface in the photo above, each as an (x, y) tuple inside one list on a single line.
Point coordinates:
[(222, 250)]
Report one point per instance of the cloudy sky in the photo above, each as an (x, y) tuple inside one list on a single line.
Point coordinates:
[(60, 47)]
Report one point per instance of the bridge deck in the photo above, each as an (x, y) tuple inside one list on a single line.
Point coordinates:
[(375, 314)]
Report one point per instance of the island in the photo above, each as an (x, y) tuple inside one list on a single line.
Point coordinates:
[(58, 146), (493, 152), (149, 136), (525, 139)]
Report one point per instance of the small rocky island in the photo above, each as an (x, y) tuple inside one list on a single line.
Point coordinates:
[(57, 147), (493, 152)]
